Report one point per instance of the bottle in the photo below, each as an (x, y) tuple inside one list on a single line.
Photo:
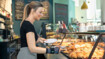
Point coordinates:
[(60, 28), (64, 27)]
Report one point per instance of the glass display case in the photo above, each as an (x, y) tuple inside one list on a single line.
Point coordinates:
[(80, 45)]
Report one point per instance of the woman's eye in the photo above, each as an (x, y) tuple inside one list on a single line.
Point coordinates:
[(41, 12)]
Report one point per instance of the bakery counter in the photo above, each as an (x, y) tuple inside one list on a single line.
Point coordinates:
[(83, 50), (61, 55), (56, 56), (51, 56), (79, 49), (9, 49), (66, 55)]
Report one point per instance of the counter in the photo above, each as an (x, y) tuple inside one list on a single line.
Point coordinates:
[(9, 49), (56, 56), (51, 56), (80, 48)]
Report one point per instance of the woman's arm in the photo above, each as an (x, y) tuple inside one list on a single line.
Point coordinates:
[(32, 44)]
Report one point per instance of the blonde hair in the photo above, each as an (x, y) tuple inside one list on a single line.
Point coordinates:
[(27, 9)]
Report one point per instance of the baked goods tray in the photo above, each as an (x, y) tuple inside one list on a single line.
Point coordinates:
[(68, 57)]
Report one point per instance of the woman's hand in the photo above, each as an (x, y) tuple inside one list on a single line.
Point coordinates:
[(59, 48), (41, 40)]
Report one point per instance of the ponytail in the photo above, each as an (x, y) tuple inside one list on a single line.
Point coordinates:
[(25, 15), (25, 11)]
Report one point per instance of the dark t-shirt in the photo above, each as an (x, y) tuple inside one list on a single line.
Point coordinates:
[(24, 29)]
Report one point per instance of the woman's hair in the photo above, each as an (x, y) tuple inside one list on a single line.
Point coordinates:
[(32, 5)]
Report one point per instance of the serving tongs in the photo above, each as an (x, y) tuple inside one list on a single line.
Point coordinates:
[(62, 39)]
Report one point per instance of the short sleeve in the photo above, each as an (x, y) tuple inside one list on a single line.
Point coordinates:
[(28, 27)]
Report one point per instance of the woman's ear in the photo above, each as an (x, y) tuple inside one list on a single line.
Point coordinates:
[(32, 11)]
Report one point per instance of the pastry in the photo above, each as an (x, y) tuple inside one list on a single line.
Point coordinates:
[(73, 55)]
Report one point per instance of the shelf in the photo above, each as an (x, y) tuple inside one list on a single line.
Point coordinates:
[(8, 41), (85, 33), (5, 18), (2, 29), (5, 11), (2, 22)]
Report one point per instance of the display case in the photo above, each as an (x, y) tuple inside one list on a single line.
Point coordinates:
[(81, 45)]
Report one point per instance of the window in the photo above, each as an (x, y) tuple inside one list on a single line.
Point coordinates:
[(76, 2), (93, 14)]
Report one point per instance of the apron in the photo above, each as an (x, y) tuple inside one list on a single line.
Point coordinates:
[(24, 53)]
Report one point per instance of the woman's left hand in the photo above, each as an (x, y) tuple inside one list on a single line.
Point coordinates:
[(41, 40)]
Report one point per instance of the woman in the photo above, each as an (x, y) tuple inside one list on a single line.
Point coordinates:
[(32, 11)]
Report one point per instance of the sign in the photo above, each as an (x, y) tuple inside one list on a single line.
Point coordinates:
[(19, 8), (61, 13)]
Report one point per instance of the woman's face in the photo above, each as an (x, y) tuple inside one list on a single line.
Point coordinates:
[(38, 13)]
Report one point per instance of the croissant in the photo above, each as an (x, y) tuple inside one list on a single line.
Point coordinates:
[(73, 55)]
